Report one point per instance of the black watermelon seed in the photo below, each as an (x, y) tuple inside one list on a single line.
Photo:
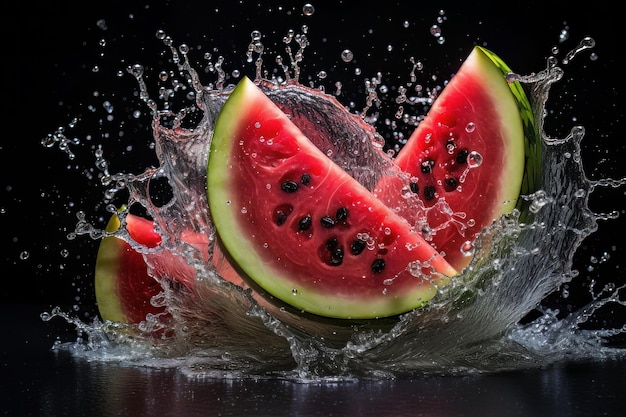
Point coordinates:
[(305, 223), (336, 258), (414, 187), (332, 243), (451, 183), (289, 186), (281, 217), (429, 192), (327, 221), (342, 214), (305, 179), (461, 157), (427, 166), (357, 246), (378, 265)]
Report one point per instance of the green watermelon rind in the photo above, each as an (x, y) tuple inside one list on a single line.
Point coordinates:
[(107, 268), (241, 250), (532, 140)]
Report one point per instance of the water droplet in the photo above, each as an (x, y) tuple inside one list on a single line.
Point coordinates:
[(470, 127), (347, 55), (435, 30), (308, 9), (467, 248), (294, 292), (474, 159)]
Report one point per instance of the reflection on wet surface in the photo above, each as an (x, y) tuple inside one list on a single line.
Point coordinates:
[(37, 381)]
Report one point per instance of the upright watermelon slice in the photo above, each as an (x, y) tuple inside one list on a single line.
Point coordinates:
[(469, 160), (301, 228)]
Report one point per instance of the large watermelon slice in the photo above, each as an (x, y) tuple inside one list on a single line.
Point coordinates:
[(469, 160), (301, 228)]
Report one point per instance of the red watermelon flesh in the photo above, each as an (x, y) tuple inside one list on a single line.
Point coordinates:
[(301, 228), (124, 288), (463, 165)]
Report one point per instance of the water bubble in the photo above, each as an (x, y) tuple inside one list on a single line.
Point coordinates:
[(136, 70), (470, 127), (108, 106), (308, 9), (474, 159), (467, 248), (435, 30), (347, 55)]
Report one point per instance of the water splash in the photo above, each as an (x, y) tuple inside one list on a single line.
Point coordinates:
[(220, 329)]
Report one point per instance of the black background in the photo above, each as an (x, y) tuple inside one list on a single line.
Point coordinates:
[(50, 51)]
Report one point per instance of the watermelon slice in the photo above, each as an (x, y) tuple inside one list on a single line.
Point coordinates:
[(469, 160), (301, 228), (124, 289)]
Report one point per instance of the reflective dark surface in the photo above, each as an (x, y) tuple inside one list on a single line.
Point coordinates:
[(38, 381)]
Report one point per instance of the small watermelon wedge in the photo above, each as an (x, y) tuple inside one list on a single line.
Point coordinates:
[(301, 228), (469, 160), (124, 288)]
